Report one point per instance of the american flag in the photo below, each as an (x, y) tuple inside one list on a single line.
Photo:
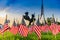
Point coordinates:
[(36, 29), (0, 31), (5, 27), (14, 30), (58, 27), (23, 30), (44, 28), (54, 29), (30, 29)]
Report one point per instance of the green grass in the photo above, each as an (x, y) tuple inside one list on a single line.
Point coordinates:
[(45, 36)]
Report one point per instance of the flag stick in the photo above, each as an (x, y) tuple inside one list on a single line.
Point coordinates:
[(39, 38), (47, 34), (55, 37), (3, 36)]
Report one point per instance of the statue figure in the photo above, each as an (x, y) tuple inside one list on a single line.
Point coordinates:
[(26, 17)]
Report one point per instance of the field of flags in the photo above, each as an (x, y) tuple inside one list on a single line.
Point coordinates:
[(34, 32)]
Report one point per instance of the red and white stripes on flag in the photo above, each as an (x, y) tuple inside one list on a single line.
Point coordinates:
[(5, 27), (44, 28), (14, 30), (0, 31), (37, 30), (54, 29), (23, 30), (58, 27), (31, 29)]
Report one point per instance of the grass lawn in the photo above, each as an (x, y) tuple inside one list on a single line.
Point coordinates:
[(45, 36)]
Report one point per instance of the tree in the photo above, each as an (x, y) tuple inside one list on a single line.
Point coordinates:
[(48, 21)]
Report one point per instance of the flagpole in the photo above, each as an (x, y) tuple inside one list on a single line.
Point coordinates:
[(55, 37), (3, 35), (47, 34), (39, 38)]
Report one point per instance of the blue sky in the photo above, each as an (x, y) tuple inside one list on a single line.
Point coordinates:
[(32, 6)]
